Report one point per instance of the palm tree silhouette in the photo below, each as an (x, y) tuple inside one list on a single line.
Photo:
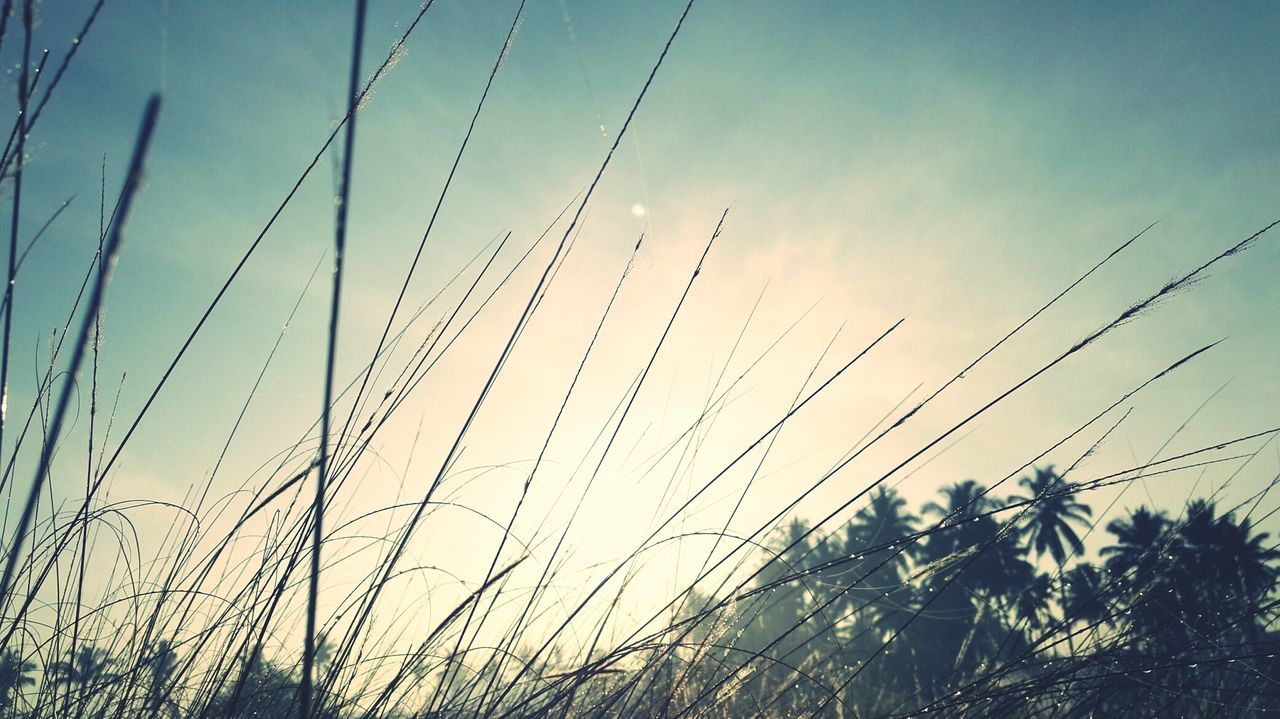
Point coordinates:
[(1144, 541), (1138, 540), (1245, 563), (964, 499), (963, 502), (324, 651), (1084, 595), (882, 521), (1052, 513), (1000, 567), (1032, 602), (88, 666), (969, 571), (268, 690), (1193, 583), (161, 666), (14, 675), (84, 670), (1220, 574)]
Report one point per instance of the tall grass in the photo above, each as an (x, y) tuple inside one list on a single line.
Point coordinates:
[(982, 604)]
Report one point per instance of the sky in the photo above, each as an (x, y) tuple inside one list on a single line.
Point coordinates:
[(953, 165)]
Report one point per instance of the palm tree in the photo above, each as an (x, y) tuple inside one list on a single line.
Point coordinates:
[(1032, 603), (1133, 562), (969, 570), (1084, 595), (1138, 541), (86, 667), (882, 521), (964, 499), (1245, 563), (964, 502), (1194, 582), (14, 675), (1052, 513), (324, 651), (161, 665), (999, 567), (769, 614), (84, 670), (267, 691), (1222, 570), (785, 608)]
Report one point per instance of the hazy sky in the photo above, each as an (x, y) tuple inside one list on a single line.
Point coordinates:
[(956, 165)]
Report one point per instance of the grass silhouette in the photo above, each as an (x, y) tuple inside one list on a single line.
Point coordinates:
[(983, 603)]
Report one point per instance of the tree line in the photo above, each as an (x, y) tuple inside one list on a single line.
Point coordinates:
[(972, 605)]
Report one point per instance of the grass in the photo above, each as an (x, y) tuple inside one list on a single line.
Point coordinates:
[(982, 604)]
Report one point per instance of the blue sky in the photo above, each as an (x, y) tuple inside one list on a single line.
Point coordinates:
[(954, 164)]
